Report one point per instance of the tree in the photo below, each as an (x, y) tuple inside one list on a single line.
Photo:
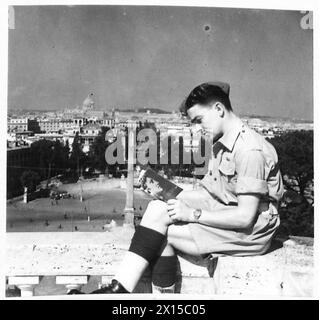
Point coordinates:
[(295, 153), (297, 218), (44, 150), (77, 157), (147, 137), (59, 158), (97, 151), (14, 186), (30, 179), (66, 153), (52, 157)]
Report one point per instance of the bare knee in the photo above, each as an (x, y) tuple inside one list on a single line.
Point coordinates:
[(179, 238), (171, 234), (156, 213)]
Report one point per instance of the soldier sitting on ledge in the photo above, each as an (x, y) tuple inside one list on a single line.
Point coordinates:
[(234, 212)]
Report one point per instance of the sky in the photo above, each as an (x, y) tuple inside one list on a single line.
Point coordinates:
[(136, 57)]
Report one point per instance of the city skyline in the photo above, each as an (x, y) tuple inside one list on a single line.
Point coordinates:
[(131, 56)]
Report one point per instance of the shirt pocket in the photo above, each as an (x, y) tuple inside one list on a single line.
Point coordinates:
[(227, 171), (227, 166)]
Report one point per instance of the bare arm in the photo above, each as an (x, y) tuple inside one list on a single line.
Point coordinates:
[(251, 184), (230, 217)]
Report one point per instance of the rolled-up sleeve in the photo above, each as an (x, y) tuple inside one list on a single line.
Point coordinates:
[(250, 167)]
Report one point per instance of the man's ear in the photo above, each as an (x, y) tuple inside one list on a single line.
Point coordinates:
[(220, 108)]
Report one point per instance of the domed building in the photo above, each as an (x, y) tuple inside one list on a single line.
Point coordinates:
[(88, 103)]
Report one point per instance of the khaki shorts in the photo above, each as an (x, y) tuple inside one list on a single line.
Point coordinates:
[(238, 242)]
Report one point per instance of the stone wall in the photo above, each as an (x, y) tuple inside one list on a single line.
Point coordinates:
[(287, 270)]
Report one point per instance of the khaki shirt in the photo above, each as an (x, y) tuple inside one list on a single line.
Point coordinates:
[(243, 162)]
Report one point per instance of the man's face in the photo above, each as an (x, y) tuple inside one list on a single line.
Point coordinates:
[(208, 118)]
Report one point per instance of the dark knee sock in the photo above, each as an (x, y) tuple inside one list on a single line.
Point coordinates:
[(147, 243), (164, 271)]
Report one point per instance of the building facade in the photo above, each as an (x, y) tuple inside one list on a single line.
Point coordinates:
[(23, 124)]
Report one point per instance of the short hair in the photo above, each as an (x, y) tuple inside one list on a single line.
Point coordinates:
[(205, 94)]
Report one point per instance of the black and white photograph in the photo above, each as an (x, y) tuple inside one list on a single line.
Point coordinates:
[(159, 152)]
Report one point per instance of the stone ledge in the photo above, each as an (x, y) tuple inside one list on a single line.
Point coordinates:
[(281, 272), (68, 253), (285, 271)]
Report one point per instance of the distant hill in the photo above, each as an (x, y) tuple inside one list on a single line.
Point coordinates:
[(143, 110), (161, 111), (30, 111), (271, 118), (139, 110)]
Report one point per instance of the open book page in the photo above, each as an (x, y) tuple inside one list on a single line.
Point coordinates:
[(157, 186)]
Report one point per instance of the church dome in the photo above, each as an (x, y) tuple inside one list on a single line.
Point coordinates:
[(88, 103)]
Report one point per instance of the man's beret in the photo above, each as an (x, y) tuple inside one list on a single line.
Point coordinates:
[(222, 85)]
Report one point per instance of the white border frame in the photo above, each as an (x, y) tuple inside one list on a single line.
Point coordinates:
[(246, 4)]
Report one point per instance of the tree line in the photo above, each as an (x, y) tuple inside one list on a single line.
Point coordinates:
[(294, 149), (53, 158), (295, 153)]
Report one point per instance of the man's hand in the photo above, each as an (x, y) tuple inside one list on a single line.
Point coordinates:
[(178, 210)]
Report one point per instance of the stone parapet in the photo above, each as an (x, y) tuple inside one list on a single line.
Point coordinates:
[(287, 270)]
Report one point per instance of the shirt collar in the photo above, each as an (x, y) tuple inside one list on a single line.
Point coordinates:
[(230, 137)]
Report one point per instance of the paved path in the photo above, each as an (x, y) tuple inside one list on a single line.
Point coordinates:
[(45, 215)]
